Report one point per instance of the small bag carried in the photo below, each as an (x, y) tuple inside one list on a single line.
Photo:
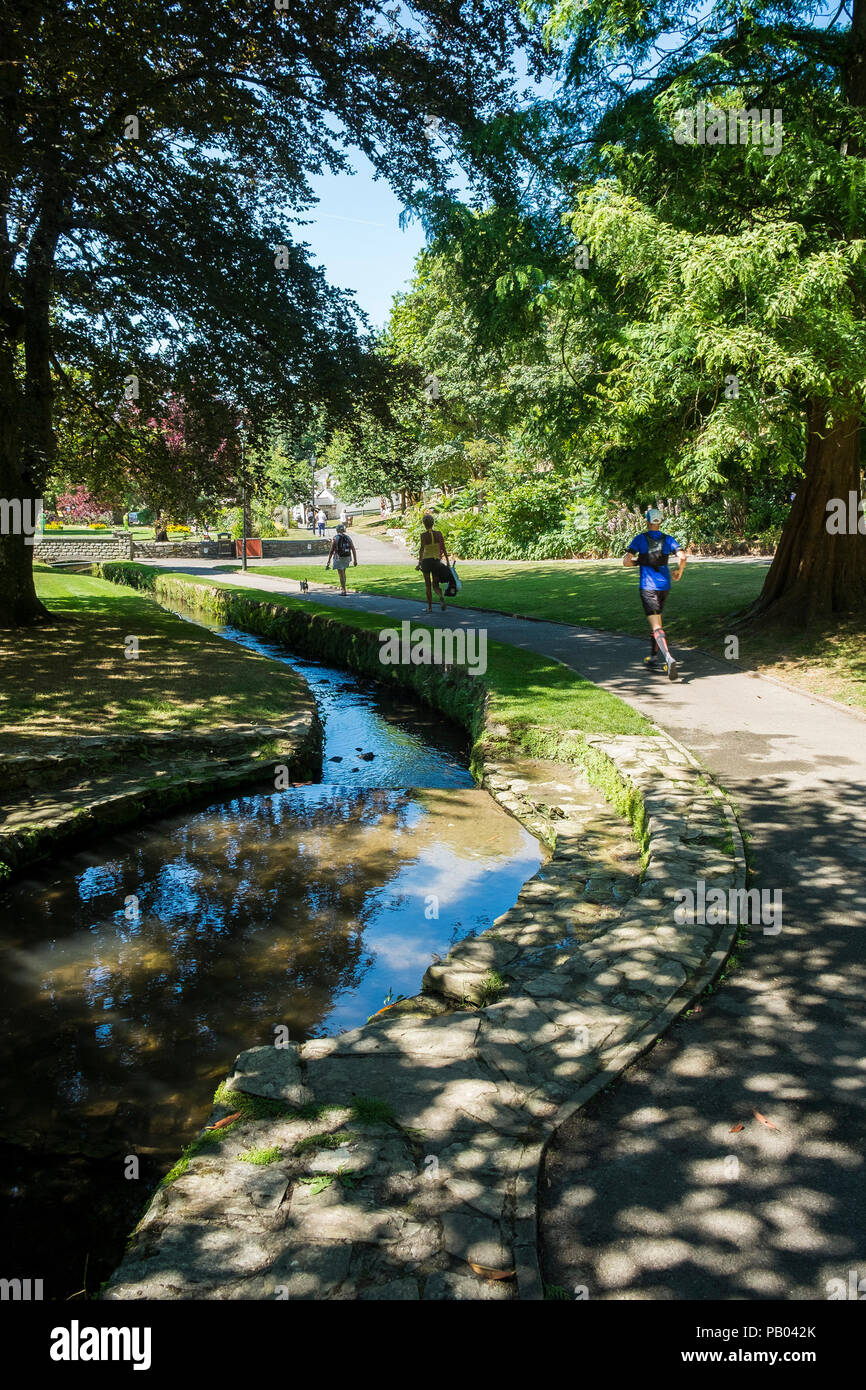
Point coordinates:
[(449, 579)]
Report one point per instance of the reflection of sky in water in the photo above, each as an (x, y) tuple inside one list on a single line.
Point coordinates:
[(424, 908), (412, 746)]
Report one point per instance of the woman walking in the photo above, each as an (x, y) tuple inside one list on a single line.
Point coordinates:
[(341, 552), (430, 560)]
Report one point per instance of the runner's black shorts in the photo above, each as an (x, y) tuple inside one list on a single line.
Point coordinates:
[(653, 600)]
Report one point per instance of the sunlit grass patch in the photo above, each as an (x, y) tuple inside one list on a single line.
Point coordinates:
[(75, 679)]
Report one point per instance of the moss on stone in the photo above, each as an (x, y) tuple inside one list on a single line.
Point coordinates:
[(261, 1157), (328, 1139)]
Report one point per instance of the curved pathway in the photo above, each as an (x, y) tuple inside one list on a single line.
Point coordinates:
[(649, 1192)]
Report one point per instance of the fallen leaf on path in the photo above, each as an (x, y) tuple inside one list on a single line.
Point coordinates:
[(491, 1273), (226, 1120), (764, 1121), (735, 1129)]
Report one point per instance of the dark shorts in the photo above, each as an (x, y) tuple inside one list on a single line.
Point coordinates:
[(653, 600), (435, 568)]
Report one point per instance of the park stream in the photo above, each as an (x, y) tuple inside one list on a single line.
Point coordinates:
[(134, 970)]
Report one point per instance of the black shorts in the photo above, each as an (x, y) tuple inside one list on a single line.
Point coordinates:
[(435, 568), (653, 600)]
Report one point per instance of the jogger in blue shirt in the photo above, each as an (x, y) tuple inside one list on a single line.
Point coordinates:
[(651, 550)]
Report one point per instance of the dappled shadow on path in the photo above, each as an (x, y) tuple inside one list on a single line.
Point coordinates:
[(649, 1192)]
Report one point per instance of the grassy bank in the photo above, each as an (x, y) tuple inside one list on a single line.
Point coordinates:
[(702, 611), (74, 679)]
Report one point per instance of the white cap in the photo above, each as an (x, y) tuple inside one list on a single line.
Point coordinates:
[(653, 515)]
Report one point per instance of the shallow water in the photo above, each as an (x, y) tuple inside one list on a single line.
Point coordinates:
[(134, 971)]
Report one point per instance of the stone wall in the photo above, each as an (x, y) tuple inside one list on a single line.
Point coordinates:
[(174, 550), (86, 787), (52, 552), (283, 548), (177, 550), (125, 548)]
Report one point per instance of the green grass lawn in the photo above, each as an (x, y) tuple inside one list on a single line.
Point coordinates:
[(596, 593), (829, 660), (536, 696), (74, 678)]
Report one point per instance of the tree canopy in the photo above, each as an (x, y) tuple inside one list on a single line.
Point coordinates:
[(155, 163), (682, 267)]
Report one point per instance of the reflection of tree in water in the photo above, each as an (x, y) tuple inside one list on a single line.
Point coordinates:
[(250, 914), (253, 911)]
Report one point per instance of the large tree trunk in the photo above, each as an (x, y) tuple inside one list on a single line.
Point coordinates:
[(27, 442), (19, 605), (816, 573)]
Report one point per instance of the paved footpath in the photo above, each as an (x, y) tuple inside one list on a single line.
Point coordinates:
[(649, 1193)]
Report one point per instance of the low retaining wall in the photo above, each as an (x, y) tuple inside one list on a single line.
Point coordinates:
[(273, 549), (54, 816), (400, 1160), (52, 552), (174, 550)]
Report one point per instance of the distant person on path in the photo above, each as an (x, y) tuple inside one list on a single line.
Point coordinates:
[(341, 552), (431, 557), (311, 519), (321, 518), (651, 550), (344, 517)]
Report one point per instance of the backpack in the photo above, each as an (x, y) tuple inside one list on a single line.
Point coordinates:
[(655, 556), (344, 545)]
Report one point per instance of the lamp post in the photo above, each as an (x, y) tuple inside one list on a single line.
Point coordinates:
[(313, 487)]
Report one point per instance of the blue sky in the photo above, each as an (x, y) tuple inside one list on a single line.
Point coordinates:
[(355, 236)]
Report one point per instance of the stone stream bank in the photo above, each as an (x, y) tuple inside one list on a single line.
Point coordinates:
[(400, 1160)]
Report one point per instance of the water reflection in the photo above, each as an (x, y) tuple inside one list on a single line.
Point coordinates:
[(194, 938), (411, 745), (130, 980)]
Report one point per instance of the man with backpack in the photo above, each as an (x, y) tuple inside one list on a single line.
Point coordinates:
[(341, 552), (651, 550)]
